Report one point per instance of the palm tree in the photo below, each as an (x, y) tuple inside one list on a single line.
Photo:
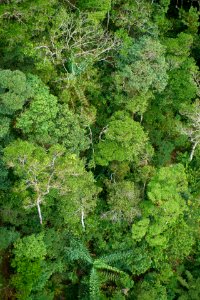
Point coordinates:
[(99, 270)]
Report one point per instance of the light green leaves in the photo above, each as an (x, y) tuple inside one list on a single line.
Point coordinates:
[(95, 5), (38, 119), (144, 68), (55, 170), (14, 91), (124, 140), (123, 200), (167, 184), (30, 248), (164, 210), (46, 122), (139, 229), (29, 254), (178, 49)]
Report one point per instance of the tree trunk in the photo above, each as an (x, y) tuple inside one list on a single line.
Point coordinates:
[(39, 212), (82, 219), (192, 152)]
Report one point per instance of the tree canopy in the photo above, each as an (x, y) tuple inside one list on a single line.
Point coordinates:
[(99, 149)]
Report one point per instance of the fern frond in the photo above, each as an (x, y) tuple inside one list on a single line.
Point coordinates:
[(101, 265), (109, 276), (119, 278), (94, 285), (122, 256), (189, 275), (183, 282), (77, 251)]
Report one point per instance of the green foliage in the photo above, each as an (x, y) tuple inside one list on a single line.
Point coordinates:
[(99, 154), (55, 170), (29, 253), (95, 5), (100, 269), (97, 9), (164, 191), (139, 230), (7, 237), (190, 19), (15, 91), (133, 15), (175, 181), (30, 248), (151, 289), (159, 16), (192, 128), (123, 200), (178, 49), (45, 122), (141, 70), (77, 44), (163, 214), (124, 141), (182, 84), (94, 284), (188, 286), (38, 119), (4, 181)]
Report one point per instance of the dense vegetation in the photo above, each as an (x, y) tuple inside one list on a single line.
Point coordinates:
[(99, 149)]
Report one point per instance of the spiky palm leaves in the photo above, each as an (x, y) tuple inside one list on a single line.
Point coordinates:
[(99, 271)]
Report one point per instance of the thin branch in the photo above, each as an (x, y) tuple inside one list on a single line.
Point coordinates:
[(72, 5), (103, 131), (39, 212), (82, 219)]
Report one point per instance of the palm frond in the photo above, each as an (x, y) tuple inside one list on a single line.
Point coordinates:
[(122, 256), (77, 251), (94, 285), (101, 265)]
